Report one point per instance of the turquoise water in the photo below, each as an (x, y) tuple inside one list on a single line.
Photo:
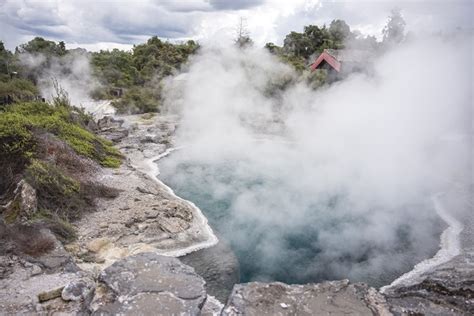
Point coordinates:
[(280, 231)]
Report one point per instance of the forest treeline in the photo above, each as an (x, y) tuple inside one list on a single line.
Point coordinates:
[(133, 79)]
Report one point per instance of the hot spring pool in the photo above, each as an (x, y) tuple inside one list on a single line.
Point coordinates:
[(283, 225)]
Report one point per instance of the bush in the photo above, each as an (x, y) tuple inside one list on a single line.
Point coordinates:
[(27, 239), (138, 100), (17, 147), (317, 78), (298, 62), (18, 122), (61, 198), (139, 72), (18, 90)]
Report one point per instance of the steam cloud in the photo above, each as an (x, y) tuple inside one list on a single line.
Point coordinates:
[(72, 71), (336, 182)]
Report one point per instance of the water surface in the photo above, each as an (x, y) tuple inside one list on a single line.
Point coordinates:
[(283, 227)]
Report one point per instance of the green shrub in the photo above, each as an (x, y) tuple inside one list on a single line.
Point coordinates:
[(18, 122), (18, 89), (317, 78), (298, 62), (61, 198), (24, 132), (16, 139), (138, 100), (139, 72), (26, 239)]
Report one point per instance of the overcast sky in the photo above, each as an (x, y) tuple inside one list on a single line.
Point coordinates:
[(95, 24)]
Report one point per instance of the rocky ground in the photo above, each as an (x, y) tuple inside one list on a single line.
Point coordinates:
[(146, 216), (447, 289), (116, 265)]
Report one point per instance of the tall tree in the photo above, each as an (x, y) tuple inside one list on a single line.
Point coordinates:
[(242, 39), (394, 31), (339, 31)]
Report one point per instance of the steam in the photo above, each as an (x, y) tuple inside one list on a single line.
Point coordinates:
[(347, 170), (72, 71)]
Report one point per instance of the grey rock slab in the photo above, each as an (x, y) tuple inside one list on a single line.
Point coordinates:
[(77, 290), (163, 303), (218, 265), (55, 260), (327, 298), (150, 283), (447, 289), (212, 307)]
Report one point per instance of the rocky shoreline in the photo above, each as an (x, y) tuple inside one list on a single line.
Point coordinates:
[(146, 216), (122, 260)]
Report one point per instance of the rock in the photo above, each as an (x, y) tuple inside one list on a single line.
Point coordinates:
[(124, 208), (21, 205), (150, 139), (77, 290), (153, 213), (145, 191), (112, 129), (6, 266), (109, 122), (92, 125), (173, 226), (176, 209), (22, 293), (49, 295), (35, 270), (212, 307), (55, 260), (148, 283), (327, 298), (72, 248), (29, 201), (115, 135), (441, 293), (97, 244), (219, 267), (103, 225)]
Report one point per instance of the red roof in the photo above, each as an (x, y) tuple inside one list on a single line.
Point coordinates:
[(330, 59)]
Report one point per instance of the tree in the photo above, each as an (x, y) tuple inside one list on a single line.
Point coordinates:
[(394, 31), (297, 44), (339, 31), (39, 45), (242, 39), (5, 56), (114, 68), (272, 48), (61, 49), (316, 36)]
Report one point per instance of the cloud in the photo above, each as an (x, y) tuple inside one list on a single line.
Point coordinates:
[(91, 22), (234, 5)]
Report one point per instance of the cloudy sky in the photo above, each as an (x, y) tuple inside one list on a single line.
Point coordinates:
[(98, 24)]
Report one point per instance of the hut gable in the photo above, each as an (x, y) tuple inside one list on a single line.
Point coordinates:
[(342, 60)]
